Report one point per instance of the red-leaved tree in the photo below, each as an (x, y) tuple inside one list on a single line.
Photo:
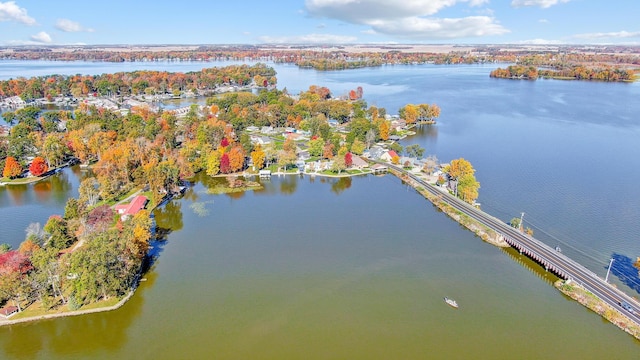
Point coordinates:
[(348, 160), (225, 166), (38, 166)]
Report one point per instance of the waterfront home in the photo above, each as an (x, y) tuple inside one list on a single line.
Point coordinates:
[(14, 102), (268, 130), (399, 124), (264, 173), (301, 165), (358, 163), (387, 156), (379, 168), (102, 103), (260, 140), (374, 153), (8, 311), (408, 162), (126, 210), (304, 155)]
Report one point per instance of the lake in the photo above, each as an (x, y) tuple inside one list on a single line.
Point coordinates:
[(319, 268)]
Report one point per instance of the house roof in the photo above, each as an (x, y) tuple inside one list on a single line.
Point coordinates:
[(133, 207), (379, 167), (357, 161), (8, 310), (393, 153)]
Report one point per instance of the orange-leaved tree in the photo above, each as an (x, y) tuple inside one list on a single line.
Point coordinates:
[(236, 158), (12, 168)]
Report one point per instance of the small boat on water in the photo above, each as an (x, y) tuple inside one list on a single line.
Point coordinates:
[(451, 302)]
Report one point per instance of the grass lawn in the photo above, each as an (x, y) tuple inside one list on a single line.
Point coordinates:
[(19, 181), (36, 310)]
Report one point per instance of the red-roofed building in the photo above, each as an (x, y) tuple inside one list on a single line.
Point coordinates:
[(7, 311), (132, 208), (389, 155)]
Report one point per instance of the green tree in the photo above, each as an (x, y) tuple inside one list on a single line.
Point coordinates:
[(4, 248), (338, 164), (315, 147), (59, 237), (46, 276), (357, 147), (89, 191), (414, 150), (54, 149), (286, 159)]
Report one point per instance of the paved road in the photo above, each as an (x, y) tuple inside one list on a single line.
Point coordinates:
[(544, 254)]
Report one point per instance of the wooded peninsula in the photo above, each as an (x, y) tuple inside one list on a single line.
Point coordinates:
[(96, 251)]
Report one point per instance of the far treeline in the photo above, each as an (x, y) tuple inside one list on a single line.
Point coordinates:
[(339, 58), (603, 73), (90, 253), (136, 82)]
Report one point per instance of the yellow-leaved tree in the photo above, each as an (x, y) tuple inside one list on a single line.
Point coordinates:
[(467, 185)]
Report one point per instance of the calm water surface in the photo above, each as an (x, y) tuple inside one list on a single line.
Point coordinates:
[(317, 268), (314, 268)]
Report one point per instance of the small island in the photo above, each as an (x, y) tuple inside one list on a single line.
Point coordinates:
[(577, 72)]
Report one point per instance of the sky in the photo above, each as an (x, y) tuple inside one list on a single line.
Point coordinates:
[(103, 22)]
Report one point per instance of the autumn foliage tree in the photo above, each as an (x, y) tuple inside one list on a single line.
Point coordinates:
[(225, 165), (38, 166), (236, 158), (12, 168), (348, 159), (258, 157), (467, 185)]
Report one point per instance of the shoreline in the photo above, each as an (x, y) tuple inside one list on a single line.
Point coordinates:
[(487, 235), (593, 303), (569, 289), (119, 304), (566, 287)]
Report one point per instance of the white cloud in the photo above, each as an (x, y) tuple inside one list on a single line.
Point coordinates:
[(609, 35), (407, 19), (541, 42), (417, 28), (540, 3), (544, 21), (309, 39), (67, 25), (9, 11), (41, 37), (362, 11)]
